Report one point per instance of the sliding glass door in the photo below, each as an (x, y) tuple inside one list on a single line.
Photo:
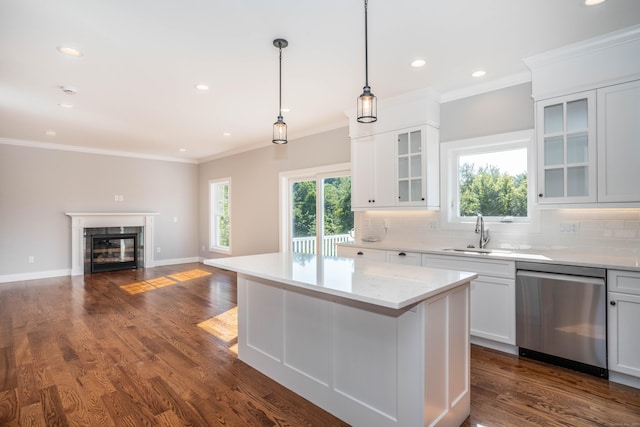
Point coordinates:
[(320, 212)]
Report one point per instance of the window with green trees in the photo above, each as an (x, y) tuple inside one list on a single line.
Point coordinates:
[(220, 227)]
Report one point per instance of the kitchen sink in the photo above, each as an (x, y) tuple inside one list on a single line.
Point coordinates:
[(477, 251)]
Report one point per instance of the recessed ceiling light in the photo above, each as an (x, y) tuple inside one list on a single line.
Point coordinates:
[(182, 150), (69, 51), (593, 2), (418, 63), (478, 73), (226, 134), (202, 87), (65, 105), (50, 133)]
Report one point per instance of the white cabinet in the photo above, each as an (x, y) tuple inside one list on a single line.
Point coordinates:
[(372, 172), (566, 129), (493, 309), (623, 320), (396, 169), (403, 257), (353, 252), (619, 143), (417, 169)]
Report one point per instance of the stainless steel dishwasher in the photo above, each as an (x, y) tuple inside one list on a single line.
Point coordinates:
[(561, 315)]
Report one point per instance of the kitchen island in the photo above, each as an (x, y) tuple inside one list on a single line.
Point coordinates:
[(372, 343)]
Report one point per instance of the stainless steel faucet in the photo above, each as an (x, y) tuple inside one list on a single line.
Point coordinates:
[(484, 233)]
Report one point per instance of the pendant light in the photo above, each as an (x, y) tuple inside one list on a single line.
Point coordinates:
[(280, 127), (367, 103)]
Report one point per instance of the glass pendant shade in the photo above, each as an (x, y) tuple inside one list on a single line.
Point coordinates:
[(279, 131), (367, 106)]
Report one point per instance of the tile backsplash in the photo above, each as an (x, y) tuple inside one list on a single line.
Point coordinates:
[(577, 230)]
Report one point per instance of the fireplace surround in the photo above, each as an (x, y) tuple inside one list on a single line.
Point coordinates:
[(82, 221)]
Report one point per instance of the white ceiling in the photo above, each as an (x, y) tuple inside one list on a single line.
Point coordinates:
[(142, 58)]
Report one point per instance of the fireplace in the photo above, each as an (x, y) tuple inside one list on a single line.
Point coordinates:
[(109, 252), (84, 225)]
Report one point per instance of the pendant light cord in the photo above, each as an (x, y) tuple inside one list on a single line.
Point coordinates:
[(280, 84), (366, 47)]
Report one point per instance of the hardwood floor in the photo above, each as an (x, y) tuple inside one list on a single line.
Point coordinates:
[(83, 351)]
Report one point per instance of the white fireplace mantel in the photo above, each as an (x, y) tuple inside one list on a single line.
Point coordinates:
[(82, 220)]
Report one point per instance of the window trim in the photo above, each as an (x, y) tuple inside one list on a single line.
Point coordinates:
[(213, 246), (449, 184), (285, 178)]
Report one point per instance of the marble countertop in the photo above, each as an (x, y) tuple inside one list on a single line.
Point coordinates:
[(623, 259), (386, 285)]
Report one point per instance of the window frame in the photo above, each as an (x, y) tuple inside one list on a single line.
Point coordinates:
[(450, 188), (214, 245)]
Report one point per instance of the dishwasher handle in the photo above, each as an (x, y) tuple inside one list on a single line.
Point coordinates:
[(561, 277)]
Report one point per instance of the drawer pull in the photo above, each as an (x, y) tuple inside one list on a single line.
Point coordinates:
[(402, 254), (359, 253)]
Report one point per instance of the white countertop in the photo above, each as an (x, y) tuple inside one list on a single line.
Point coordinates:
[(387, 285), (622, 259)]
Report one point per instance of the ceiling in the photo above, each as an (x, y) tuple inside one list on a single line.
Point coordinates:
[(141, 59)]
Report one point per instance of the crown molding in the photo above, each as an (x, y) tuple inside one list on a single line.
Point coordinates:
[(485, 87)]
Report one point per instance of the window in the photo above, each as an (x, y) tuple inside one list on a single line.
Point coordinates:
[(492, 176), (220, 213), (316, 209)]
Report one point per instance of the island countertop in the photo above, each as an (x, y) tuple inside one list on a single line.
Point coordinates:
[(386, 285)]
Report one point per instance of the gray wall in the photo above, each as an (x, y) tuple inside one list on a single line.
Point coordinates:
[(501, 111), (37, 187), (254, 187)]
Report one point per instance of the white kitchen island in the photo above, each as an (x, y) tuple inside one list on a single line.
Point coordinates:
[(373, 343)]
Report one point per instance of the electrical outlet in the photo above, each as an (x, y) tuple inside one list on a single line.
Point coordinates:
[(569, 227), (158, 250), (433, 225), (175, 219), (31, 259)]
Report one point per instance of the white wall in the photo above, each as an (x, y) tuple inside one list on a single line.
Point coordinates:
[(254, 187), (37, 187)]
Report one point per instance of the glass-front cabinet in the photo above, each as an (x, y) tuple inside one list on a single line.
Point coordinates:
[(567, 149), (410, 167)]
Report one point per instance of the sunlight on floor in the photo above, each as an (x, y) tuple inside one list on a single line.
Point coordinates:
[(160, 282), (223, 326)]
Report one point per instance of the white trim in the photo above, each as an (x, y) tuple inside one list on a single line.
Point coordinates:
[(100, 151), (487, 86), (6, 278), (176, 261), (449, 172), (212, 247), (284, 178)]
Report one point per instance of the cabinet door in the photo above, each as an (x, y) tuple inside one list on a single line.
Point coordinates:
[(362, 172), (417, 168), (354, 252), (619, 143), (624, 345), (567, 149), (493, 309), (403, 257), (372, 172)]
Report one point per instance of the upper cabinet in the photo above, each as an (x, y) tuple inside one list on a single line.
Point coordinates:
[(395, 162), (567, 149), (587, 121), (619, 143)]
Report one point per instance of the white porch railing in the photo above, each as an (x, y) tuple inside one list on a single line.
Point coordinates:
[(307, 245)]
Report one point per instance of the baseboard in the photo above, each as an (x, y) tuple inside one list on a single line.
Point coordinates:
[(624, 379), (35, 275), (505, 348), (160, 263)]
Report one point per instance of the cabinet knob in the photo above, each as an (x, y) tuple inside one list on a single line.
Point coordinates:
[(612, 303), (540, 195), (360, 253), (423, 198)]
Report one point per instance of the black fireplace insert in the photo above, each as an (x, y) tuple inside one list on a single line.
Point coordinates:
[(114, 252)]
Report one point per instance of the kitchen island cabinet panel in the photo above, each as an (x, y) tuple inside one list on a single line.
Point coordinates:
[(623, 320)]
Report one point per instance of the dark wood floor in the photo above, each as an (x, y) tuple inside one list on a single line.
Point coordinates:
[(83, 352)]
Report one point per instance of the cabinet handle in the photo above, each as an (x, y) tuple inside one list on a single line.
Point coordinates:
[(402, 254), (612, 303), (359, 253)]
